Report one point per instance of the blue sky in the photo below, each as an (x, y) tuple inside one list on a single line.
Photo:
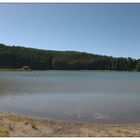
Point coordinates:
[(108, 29)]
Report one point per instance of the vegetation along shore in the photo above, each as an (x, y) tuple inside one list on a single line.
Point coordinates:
[(18, 125), (21, 58)]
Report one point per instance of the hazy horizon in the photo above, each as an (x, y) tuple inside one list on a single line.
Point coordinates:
[(103, 29)]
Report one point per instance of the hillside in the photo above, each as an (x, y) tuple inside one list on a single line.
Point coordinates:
[(15, 57)]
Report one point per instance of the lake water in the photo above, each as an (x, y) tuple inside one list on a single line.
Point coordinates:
[(86, 96)]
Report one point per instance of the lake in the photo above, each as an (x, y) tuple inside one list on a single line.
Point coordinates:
[(85, 96)]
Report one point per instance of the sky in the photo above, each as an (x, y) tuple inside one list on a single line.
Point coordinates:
[(105, 29)]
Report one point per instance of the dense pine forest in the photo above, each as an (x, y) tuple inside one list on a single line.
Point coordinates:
[(14, 57)]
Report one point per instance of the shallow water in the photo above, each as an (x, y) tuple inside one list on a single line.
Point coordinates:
[(87, 96)]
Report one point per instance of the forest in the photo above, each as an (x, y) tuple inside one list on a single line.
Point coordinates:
[(13, 57)]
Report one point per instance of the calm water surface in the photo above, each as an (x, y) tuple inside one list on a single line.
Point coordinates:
[(86, 96)]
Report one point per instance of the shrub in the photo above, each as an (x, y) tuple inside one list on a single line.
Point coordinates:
[(26, 68)]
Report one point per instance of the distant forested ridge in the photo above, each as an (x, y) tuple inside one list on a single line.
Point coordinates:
[(37, 59)]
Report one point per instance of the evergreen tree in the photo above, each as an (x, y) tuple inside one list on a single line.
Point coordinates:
[(37, 59)]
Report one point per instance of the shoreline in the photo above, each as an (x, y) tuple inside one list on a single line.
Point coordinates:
[(22, 70), (12, 125)]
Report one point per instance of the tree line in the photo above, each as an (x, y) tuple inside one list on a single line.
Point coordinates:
[(37, 59)]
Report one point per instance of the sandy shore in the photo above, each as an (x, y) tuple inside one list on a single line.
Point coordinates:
[(18, 125)]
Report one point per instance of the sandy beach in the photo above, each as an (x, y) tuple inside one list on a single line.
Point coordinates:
[(18, 125)]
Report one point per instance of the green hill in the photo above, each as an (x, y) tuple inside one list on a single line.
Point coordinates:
[(14, 57)]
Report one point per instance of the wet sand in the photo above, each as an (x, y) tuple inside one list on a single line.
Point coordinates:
[(22, 126)]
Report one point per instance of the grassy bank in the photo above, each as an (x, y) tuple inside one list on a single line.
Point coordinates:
[(14, 125)]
